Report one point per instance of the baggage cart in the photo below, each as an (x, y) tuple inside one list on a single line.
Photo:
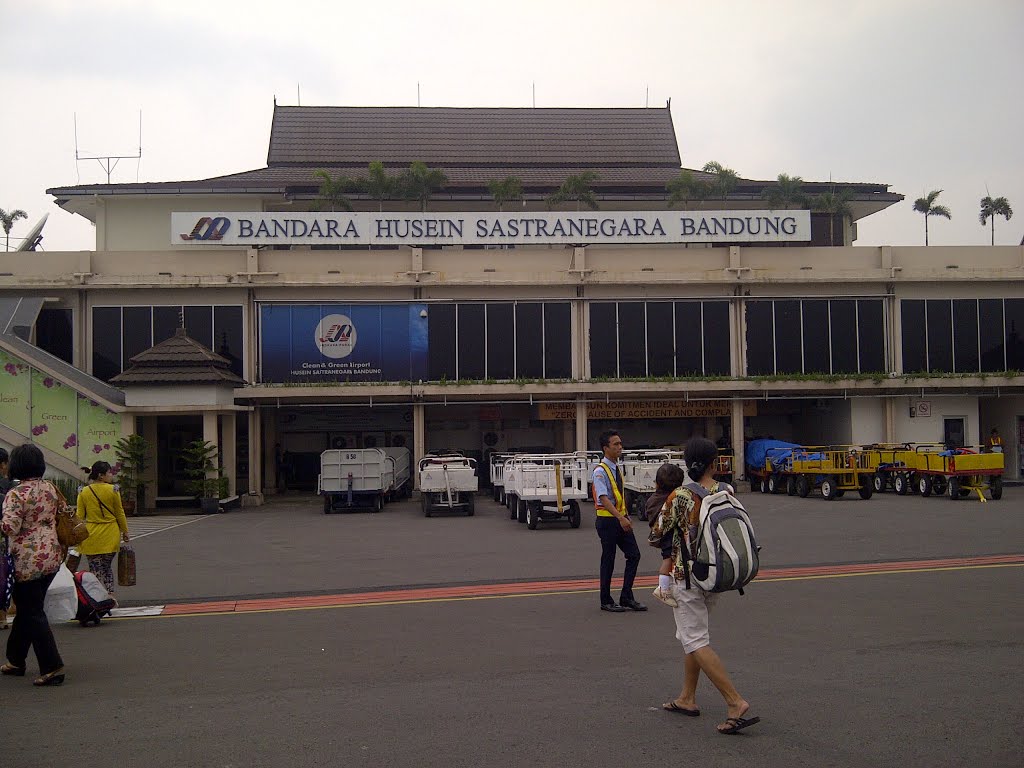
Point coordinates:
[(639, 468), (546, 487), (401, 486), (836, 469), (957, 472), (448, 483), (355, 478), (496, 470)]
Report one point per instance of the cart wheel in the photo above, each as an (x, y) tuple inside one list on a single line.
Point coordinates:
[(327, 504), (641, 506), (791, 486), (939, 485), (495, 493), (899, 484), (878, 483), (531, 516), (828, 488), (471, 506), (953, 488), (924, 485), (426, 505), (378, 504), (764, 484), (996, 486), (867, 487), (803, 487), (502, 498), (773, 483), (510, 502), (574, 514), (521, 508)]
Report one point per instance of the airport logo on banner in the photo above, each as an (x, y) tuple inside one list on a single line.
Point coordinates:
[(524, 228), (336, 336)]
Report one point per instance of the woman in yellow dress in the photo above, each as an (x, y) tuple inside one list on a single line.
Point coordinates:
[(99, 504)]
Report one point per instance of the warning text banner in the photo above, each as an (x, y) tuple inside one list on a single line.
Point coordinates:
[(642, 409)]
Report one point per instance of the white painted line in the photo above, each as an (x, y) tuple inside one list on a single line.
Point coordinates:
[(139, 610), (160, 530)]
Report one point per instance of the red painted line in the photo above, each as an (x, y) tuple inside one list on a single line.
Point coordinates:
[(565, 585)]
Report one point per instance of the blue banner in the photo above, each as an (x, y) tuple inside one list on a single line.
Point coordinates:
[(343, 342)]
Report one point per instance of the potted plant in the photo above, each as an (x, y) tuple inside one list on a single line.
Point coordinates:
[(199, 458), (131, 458)]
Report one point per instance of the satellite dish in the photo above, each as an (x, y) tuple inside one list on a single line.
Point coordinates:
[(34, 236)]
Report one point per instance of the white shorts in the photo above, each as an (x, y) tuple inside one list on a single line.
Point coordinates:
[(691, 615)]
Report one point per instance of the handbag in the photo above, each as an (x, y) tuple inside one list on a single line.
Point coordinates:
[(125, 566), (6, 574), (70, 530)]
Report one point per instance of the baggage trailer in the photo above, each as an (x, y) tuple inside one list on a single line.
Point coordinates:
[(639, 468), (401, 487), (775, 472), (355, 478), (546, 487), (496, 467), (724, 468), (892, 463), (448, 483), (840, 469), (957, 472)]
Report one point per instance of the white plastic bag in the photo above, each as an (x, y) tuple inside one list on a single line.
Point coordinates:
[(61, 601)]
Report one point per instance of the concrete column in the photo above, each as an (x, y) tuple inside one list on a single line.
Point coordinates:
[(230, 427), (148, 428), (210, 431), (581, 424), (739, 469), (419, 440), (890, 419), (255, 453), (268, 418), (127, 424)]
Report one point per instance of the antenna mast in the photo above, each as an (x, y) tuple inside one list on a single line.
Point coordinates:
[(107, 162)]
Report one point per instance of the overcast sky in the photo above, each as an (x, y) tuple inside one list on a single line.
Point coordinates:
[(918, 94)]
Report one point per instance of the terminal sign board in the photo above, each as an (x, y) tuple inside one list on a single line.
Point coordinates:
[(484, 228), (313, 343), (642, 409)]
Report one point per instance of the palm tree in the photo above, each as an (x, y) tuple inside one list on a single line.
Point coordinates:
[(834, 204), (578, 189), (926, 205), (992, 207), (686, 187), (8, 219), (726, 179), (506, 190), (379, 185), (420, 183), (332, 191), (786, 192)]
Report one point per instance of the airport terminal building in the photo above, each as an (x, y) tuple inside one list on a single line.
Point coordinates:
[(459, 321)]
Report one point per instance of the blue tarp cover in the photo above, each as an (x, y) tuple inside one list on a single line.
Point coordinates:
[(777, 450)]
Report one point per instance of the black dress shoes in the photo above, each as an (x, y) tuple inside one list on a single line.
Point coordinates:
[(614, 608), (633, 605)]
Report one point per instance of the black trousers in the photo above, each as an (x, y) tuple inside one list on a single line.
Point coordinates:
[(31, 629), (611, 534)]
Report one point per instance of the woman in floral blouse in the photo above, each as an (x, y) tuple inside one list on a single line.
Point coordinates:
[(30, 523)]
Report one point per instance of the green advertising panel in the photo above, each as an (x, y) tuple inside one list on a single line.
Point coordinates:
[(15, 393), (54, 415), (98, 429)]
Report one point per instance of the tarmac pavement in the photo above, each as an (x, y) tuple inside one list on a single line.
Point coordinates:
[(916, 668)]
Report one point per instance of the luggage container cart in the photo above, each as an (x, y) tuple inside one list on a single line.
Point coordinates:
[(355, 478), (957, 472), (496, 467), (546, 487), (724, 468), (449, 483), (840, 469), (891, 463), (401, 487), (639, 468)]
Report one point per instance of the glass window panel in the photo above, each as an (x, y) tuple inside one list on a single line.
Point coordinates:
[(716, 335), (689, 360), (914, 351), (1014, 309), (441, 341), (760, 350), (138, 332), (166, 321), (603, 339), (228, 336), (660, 351), (816, 337), (472, 341), (871, 330), (844, 335), (557, 341), (965, 335), (788, 357), (199, 324), (990, 329), (632, 340), (501, 360), (940, 336), (106, 342), (55, 333), (529, 341)]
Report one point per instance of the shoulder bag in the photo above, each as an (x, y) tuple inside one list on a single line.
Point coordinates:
[(70, 530)]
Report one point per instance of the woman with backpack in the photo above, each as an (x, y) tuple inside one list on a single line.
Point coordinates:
[(99, 504), (677, 526)]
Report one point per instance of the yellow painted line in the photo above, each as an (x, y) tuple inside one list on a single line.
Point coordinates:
[(422, 601)]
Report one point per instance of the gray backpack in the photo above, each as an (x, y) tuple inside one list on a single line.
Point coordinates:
[(724, 555)]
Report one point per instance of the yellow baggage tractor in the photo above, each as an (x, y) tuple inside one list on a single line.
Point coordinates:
[(837, 468), (957, 472)]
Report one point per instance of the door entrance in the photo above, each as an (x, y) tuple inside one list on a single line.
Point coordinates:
[(954, 432)]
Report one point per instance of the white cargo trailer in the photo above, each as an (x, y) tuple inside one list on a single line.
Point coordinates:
[(355, 478), (545, 487), (497, 475), (448, 483), (639, 468), (402, 484)]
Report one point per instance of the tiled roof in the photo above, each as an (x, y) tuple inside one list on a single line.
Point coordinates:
[(446, 136), (178, 360)]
